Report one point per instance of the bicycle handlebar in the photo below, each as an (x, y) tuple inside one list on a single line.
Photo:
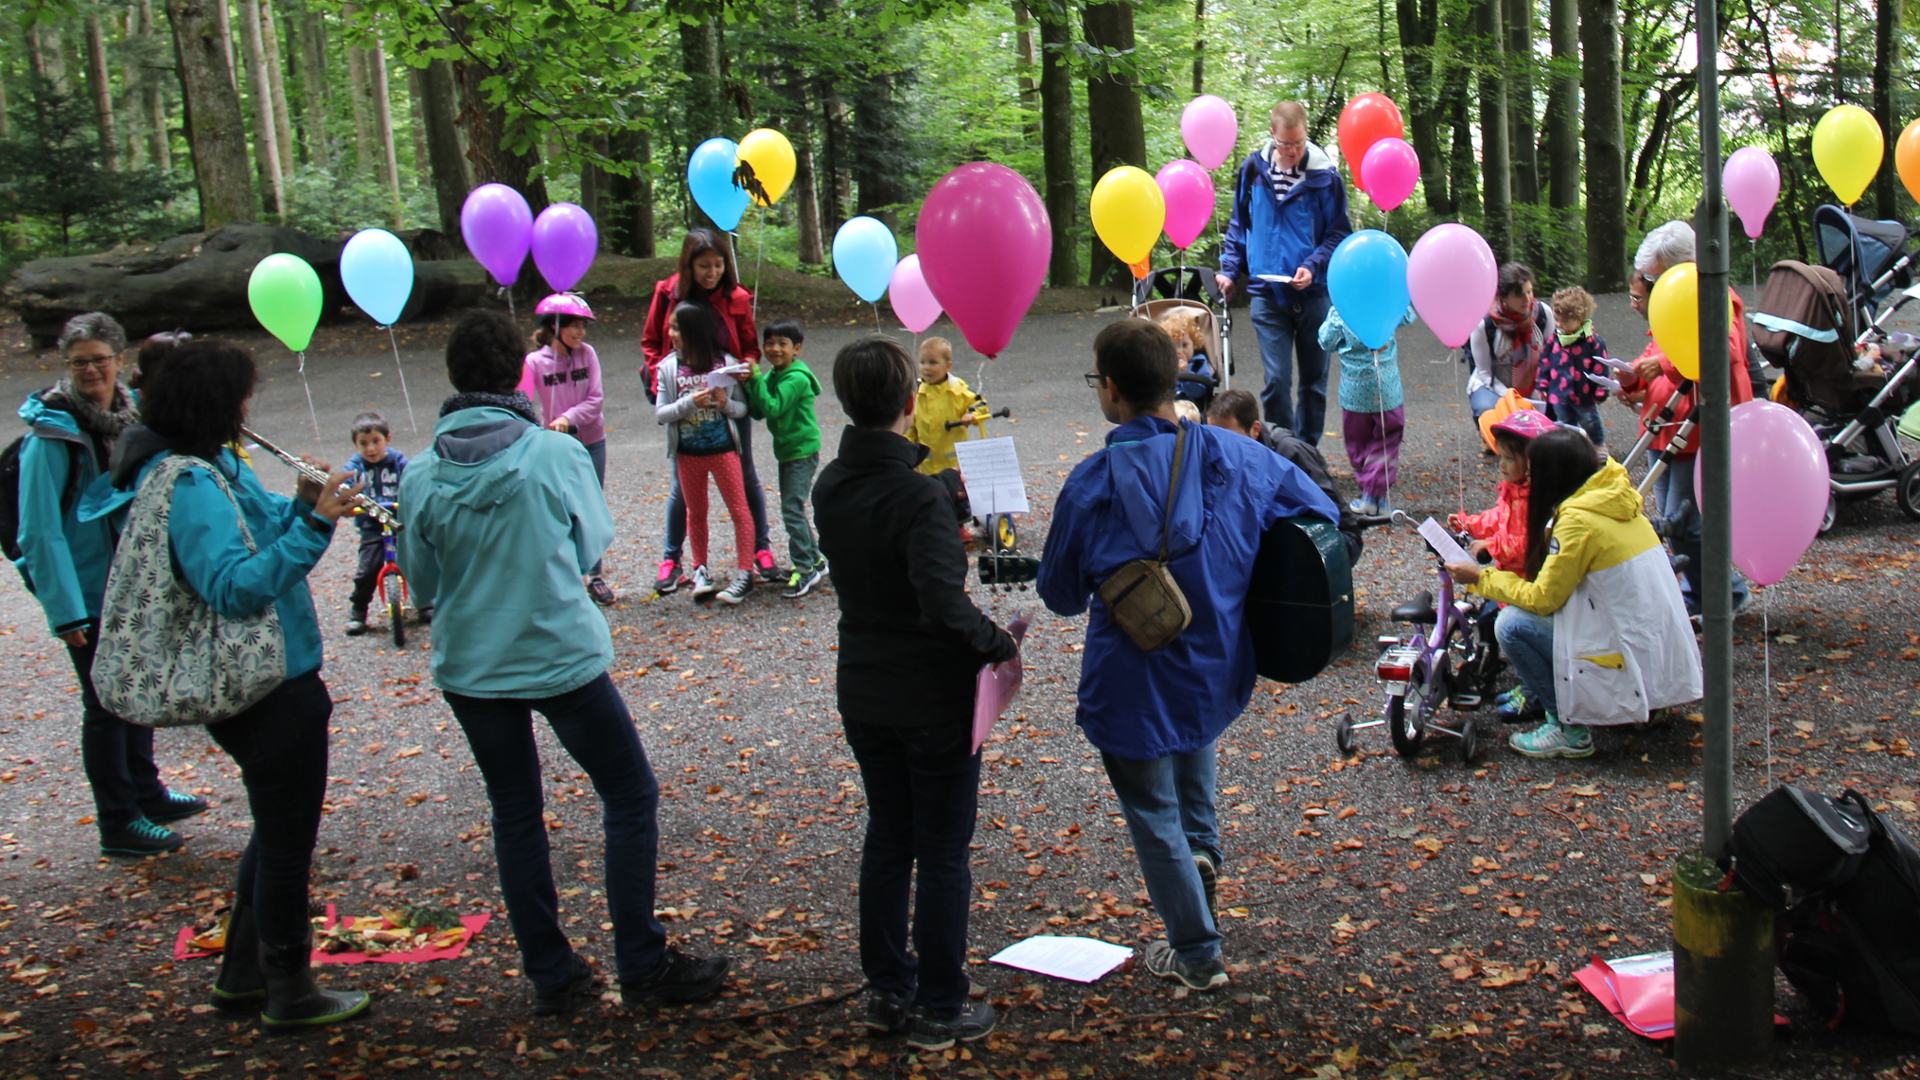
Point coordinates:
[(1003, 412)]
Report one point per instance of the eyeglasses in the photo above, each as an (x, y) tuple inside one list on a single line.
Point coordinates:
[(1301, 145), (83, 363), (1094, 379)]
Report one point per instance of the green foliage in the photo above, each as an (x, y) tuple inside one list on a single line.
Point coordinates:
[(328, 203), (51, 175)]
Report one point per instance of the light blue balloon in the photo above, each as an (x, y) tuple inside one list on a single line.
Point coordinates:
[(377, 270), (1367, 280), (710, 179), (864, 255)]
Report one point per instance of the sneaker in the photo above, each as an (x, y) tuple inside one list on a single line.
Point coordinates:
[(886, 1013), (802, 582), (425, 613), (560, 999), (666, 578), (972, 1021), (1362, 506), (1161, 960), (737, 589), (140, 839), (703, 585), (357, 622), (1518, 708), (680, 978), (1383, 505), (1209, 878), (1554, 740), (765, 568), (173, 806), (601, 593)]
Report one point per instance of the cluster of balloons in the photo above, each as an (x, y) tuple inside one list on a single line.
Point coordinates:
[(1371, 140), (726, 177), (500, 231), (1131, 209)]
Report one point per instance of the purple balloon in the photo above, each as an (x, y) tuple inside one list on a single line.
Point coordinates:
[(1752, 185), (1189, 194), (1452, 276), (984, 242), (498, 227), (564, 244), (1780, 488)]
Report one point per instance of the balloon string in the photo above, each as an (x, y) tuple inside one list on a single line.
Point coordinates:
[(875, 304), (1753, 243), (403, 380), (309, 389), (1766, 659), (508, 293), (759, 264)]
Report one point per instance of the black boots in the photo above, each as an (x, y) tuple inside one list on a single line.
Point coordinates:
[(239, 986), (293, 1001)]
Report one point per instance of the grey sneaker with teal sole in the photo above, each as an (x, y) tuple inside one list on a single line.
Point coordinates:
[(1554, 739), (1161, 960)]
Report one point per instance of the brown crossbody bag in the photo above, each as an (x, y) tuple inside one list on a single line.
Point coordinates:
[(1141, 597)]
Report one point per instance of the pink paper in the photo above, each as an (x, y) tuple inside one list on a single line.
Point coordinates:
[(1641, 996), (994, 690)]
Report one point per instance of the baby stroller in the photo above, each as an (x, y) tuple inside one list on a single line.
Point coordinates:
[(1826, 328), (1193, 288)]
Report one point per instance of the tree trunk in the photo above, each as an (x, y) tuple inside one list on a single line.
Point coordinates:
[(485, 126), (1461, 163), (1417, 21), (879, 140), (383, 124), (224, 16), (1887, 20), (1023, 65), (805, 193), (1115, 134), (6, 125), (47, 56), (102, 90), (313, 88), (215, 132), (1563, 107), (1056, 145), (277, 83), (630, 215), (448, 166), (417, 126), (1520, 115), (154, 102), (1200, 47), (358, 94), (1642, 193), (702, 98), (266, 149), (1495, 161), (1605, 143)]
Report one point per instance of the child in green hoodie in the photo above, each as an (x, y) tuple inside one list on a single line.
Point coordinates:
[(783, 397)]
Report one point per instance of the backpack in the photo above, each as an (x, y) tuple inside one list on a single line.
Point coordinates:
[(1847, 887), (10, 495), (1804, 326)]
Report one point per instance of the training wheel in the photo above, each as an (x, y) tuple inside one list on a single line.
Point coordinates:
[(1343, 735)]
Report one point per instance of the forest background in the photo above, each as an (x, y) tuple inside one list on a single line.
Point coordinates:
[(1559, 128)]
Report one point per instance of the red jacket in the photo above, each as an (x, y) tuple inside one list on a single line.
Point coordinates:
[(1663, 387), (737, 336), (1504, 528)]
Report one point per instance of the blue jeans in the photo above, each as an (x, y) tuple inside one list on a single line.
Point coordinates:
[(593, 724), (756, 498), (1288, 326), (1482, 400), (1674, 487), (923, 787), (598, 452), (116, 754), (1526, 640), (1586, 417), (796, 487), (1168, 803)]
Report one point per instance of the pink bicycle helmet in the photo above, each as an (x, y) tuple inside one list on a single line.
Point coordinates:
[(564, 303), (1528, 424)]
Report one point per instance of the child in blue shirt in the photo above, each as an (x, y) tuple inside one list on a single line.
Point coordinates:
[(1373, 418), (378, 465)]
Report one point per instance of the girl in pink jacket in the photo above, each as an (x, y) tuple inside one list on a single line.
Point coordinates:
[(562, 376)]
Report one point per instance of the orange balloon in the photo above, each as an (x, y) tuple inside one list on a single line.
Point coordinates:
[(1906, 159), (1142, 268), (1366, 120)]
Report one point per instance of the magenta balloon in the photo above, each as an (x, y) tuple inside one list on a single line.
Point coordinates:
[(912, 301), (1780, 488), (1452, 276), (564, 244), (984, 243), (498, 227), (1392, 169), (1189, 193), (1209, 128), (1752, 184)]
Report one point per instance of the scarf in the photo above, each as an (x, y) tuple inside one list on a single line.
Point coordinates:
[(104, 424), (512, 401), (1519, 328), (1568, 340)]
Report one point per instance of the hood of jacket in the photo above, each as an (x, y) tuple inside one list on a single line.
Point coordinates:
[(483, 460), (1317, 167), (1608, 493), (49, 421), (1139, 464)]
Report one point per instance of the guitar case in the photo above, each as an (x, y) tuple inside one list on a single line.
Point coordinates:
[(1300, 601)]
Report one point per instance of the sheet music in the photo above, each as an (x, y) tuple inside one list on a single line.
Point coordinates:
[(991, 469), (1437, 537)]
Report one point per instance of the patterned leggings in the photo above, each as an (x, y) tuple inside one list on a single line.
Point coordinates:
[(725, 470)]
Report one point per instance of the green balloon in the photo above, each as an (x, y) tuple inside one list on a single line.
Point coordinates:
[(286, 297)]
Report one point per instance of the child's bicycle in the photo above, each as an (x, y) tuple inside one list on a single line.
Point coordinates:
[(1001, 535), (1454, 662), (395, 599)]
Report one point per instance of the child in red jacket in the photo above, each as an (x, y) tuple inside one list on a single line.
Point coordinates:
[(1502, 530)]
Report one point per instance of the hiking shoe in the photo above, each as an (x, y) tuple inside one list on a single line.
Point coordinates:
[(737, 589), (680, 978), (666, 578), (601, 593), (1519, 709), (703, 585), (1161, 960), (173, 806), (801, 582), (357, 622), (1209, 877), (1554, 740), (141, 839), (560, 999), (972, 1021), (765, 568), (887, 1013)]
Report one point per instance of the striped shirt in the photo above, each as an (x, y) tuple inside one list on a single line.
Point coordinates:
[(1284, 179)]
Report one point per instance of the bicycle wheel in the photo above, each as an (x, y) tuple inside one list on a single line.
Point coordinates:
[(394, 612), (1405, 726)]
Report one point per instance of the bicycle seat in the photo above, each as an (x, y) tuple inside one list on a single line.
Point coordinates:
[(1417, 610)]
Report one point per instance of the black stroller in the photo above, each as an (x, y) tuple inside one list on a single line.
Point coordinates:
[(1846, 372), (1192, 287)]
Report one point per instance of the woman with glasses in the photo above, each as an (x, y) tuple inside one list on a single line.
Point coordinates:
[(71, 430)]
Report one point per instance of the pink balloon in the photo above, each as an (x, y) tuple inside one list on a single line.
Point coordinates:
[(1780, 488), (1752, 184), (1452, 276), (1189, 193), (1392, 169), (912, 301), (1209, 128), (985, 242)]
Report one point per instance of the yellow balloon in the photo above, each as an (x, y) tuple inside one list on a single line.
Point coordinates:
[(1128, 211), (1673, 311), (771, 156), (1847, 148)]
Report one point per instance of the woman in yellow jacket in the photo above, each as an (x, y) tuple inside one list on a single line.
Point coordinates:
[(943, 398), (1596, 629)]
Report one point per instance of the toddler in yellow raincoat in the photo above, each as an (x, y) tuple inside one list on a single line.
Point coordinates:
[(943, 398)]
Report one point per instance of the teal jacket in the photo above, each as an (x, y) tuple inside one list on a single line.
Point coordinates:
[(208, 551), (66, 558), (502, 517), (783, 397)]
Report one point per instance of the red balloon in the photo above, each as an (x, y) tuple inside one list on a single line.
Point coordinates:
[(984, 242), (1366, 120)]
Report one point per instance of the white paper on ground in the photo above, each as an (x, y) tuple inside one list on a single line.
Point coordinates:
[(991, 469), (1079, 959), (1436, 536)]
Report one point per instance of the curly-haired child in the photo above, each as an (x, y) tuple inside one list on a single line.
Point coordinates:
[(1572, 354)]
